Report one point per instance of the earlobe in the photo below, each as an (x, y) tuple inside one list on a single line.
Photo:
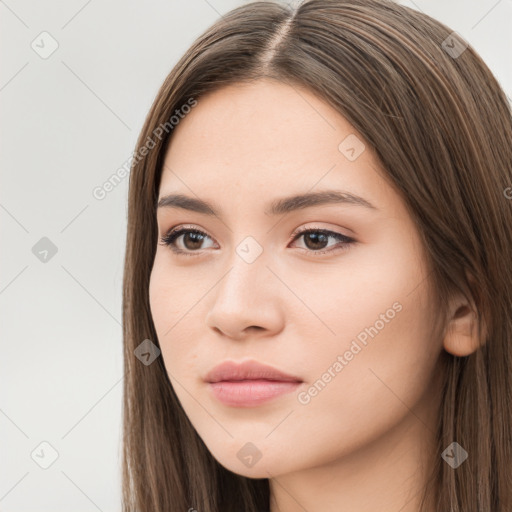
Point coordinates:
[(461, 334)]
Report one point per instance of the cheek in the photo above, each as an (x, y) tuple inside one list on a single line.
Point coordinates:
[(381, 379), (172, 300), (341, 300), (380, 314), (347, 404), (380, 363)]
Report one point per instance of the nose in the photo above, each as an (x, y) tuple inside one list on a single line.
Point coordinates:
[(246, 301)]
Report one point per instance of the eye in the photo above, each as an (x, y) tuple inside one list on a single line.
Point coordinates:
[(192, 239), (315, 240)]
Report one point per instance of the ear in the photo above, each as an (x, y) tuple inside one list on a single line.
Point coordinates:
[(461, 332)]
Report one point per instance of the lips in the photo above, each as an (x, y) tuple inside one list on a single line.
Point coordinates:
[(248, 370), (249, 384)]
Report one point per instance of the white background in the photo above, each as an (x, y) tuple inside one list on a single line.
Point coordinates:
[(68, 122)]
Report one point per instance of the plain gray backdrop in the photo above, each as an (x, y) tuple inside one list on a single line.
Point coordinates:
[(77, 81)]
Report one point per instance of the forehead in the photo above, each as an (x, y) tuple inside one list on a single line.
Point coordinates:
[(250, 142)]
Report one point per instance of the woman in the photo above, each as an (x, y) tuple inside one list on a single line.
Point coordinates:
[(318, 289)]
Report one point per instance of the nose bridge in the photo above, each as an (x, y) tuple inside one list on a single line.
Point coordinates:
[(246, 296), (247, 268)]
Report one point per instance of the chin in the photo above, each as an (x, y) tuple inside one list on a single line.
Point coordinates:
[(249, 461)]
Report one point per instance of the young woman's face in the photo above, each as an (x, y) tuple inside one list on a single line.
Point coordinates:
[(346, 309)]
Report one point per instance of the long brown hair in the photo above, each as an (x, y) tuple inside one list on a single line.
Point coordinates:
[(442, 128)]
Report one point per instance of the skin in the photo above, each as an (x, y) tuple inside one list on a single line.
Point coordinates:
[(363, 442)]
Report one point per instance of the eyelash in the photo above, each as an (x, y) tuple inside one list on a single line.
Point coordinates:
[(172, 235)]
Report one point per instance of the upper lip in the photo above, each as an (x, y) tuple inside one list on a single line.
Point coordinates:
[(247, 370)]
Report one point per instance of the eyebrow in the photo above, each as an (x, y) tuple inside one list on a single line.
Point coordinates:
[(277, 207)]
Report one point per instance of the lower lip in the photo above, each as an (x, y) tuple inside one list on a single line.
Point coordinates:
[(250, 393)]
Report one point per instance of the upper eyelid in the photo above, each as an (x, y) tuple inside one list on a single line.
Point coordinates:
[(297, 231)]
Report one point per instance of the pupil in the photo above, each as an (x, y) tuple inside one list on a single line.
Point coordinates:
[(196, 239), (315, 237)]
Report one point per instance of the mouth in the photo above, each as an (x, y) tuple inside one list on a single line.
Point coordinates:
[(250, 393), (249, 384)]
